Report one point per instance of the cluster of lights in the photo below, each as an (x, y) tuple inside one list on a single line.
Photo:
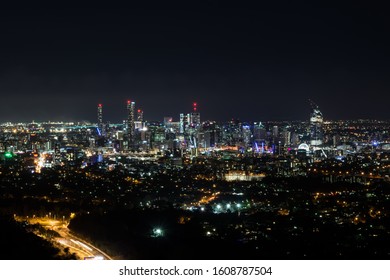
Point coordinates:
[(228, 206), (157, 232)]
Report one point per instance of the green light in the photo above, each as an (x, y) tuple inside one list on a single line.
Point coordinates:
[(8, 155)]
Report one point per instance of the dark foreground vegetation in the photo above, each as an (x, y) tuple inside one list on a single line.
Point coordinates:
[(17, 242)]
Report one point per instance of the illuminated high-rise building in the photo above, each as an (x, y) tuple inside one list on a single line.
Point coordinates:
[(316, 130), (195, 116), (182, 123), (100, 124), (275, 131), (259, 132), (130, 123), (286, 137), (246, 134), (167, 121), (140, 115)]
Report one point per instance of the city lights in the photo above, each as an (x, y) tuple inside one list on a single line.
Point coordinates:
[(251, 183)]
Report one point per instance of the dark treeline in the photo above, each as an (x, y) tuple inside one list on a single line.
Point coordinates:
[(17, 243), (129, 235)]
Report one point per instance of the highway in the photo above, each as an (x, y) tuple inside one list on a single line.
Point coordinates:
[(83, 249)]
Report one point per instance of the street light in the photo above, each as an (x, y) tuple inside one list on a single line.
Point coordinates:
[(157, 232)]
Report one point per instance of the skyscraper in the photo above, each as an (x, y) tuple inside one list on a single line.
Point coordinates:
[(100, 119), (316, 130), (275, 131), (195, 116), (286, 137), (259, 132), (182, 123), (130, 123), (140, 115)]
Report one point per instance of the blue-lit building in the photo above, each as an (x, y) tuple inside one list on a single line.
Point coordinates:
[(316, 129)]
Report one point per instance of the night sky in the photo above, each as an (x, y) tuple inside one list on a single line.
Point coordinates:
[(253, 63)]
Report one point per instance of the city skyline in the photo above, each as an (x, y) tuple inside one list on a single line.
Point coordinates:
[(185, 131), (99, 120), (83, 188), (247, 63)]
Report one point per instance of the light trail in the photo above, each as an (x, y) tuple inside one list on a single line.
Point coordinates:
[(82, 248)]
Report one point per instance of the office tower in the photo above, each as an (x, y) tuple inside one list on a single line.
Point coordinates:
[(275, 131), (140, 115), (246, 134), (100, 125), (195, 116), (316, 121), (182, 123), (167, 121), (130, 123), (259, 132), (286, 137)]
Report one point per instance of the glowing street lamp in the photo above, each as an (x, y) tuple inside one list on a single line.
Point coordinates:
[(157, 232)]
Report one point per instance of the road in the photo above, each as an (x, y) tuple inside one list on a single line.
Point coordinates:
[(83, 249)]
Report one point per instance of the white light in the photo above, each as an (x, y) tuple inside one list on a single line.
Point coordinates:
[(157, 232)]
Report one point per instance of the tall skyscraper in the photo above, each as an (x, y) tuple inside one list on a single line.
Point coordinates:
[(140, 115), (316, 130), (275, 131), (259, 132), (195, 116), (246, 134), (286, 137), (182, 123), (130, 123), (100, 119)]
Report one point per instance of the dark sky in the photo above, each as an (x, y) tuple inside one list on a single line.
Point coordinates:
[(252, 63)]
